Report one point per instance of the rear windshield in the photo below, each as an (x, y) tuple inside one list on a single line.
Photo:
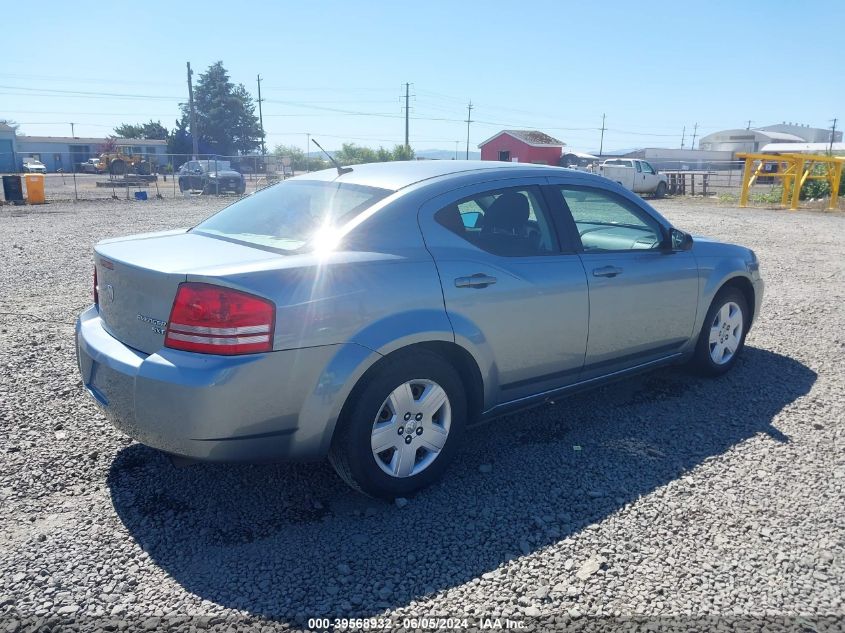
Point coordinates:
[(287, 216)]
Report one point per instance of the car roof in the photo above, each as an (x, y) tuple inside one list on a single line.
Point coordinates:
[(400, 174)]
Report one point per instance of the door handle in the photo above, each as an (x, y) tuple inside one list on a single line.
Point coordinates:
[(607, 271), (478, 280)]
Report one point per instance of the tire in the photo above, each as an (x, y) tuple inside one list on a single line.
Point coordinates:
[(181, 186), (375, 402), (117, 167), (660, 192), (706, 360)]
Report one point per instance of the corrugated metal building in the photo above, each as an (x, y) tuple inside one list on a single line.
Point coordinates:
[(805, 132), (682, 159), (63, 152), (7, 149), (804, 148), (753, 140)]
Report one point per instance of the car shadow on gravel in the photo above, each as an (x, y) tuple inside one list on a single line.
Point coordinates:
[(291, 541)]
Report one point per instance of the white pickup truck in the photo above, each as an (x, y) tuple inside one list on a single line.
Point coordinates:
[(636, 175)]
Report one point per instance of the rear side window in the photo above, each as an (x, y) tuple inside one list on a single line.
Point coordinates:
[(287, 216), (509, 222)]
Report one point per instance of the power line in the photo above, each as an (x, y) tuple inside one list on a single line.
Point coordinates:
[(86, 93)]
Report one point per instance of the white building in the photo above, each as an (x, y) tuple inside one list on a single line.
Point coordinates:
[(753, 140)]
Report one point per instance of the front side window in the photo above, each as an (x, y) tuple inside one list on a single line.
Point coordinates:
[(508, 222), (291, 215), (647, 168), (607, 222)]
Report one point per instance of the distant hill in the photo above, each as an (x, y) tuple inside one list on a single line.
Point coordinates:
[(446, 154)]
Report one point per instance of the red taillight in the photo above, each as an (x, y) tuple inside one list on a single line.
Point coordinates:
[(96, 294), (216, 320)]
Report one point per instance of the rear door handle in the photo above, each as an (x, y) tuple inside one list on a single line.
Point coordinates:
[(607, 271), (478, 280)]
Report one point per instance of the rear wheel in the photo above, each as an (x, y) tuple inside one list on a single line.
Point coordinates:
[(403, 428), (722, 336)]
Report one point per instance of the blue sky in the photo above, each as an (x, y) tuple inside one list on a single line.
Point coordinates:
[(337, 69)]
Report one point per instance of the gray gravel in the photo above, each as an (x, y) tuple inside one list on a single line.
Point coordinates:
[(661, 496)]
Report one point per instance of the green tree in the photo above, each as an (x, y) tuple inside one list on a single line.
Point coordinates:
[(298, 159), (225, 114), (179, 142), (153, 130), (402, 152), (353, 154)]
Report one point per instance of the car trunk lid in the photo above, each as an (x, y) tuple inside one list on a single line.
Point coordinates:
[(137, 279)]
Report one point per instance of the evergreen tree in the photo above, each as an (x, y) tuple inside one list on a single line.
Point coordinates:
[(225, 114)]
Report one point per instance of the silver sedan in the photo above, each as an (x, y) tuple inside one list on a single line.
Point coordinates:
[(369, 315)]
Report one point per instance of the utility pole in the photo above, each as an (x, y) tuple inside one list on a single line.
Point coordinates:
[(832, 136), (407, 114), (748, 127), (72, 134), (694, 132), (683, 136), (307, 145), (468, 121), (456, 149), (193, 113), (601, 142), (261, 118)]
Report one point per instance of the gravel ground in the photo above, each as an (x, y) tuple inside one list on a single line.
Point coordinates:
[(665, 496)]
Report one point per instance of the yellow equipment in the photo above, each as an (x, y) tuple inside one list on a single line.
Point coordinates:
[(118, 163), (795, 170)]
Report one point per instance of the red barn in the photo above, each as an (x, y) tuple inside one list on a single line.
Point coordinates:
[(522, 146)]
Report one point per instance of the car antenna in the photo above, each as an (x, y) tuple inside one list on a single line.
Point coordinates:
[(340, 170)]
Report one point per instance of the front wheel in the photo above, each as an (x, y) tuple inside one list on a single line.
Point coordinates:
[(722, 336), (403, 428), (661, 190)]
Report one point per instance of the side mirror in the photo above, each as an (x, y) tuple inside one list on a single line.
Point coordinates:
[(680, 241)]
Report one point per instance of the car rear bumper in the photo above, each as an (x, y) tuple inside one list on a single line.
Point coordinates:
[(208, 407)]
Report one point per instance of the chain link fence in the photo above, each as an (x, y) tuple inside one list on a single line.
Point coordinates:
[(170, 176), (118, 176)]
